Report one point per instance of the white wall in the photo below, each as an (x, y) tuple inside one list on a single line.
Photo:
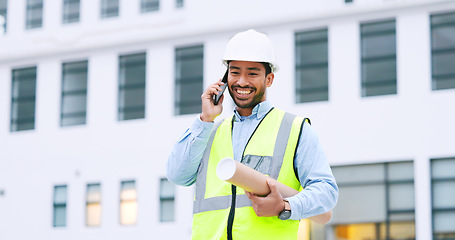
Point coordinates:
[(415, 124)]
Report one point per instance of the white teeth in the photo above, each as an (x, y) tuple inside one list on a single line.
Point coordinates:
[(243, 92)]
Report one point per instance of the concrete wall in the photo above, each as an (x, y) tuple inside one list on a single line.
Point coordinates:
[(415, 124)]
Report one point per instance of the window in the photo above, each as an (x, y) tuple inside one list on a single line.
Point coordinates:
[(188, 79), (93, 205), (3, 12), (443, 198), (71, 11), (60, 206), (443, 50), (311, 57), (131, 102), (167, 194), (74, 93), (376, 201), (128, 203), (23, 99), (34, 16), (109, 8), (150, 5), (378, 50), (179, 3)]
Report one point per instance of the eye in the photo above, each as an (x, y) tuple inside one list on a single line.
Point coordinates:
[(234, 73), (253, 74)]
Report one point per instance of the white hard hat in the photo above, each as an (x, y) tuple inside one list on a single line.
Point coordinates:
[(251, 46)]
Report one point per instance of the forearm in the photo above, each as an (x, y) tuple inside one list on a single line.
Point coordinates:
[(184, 160), (316, 199)]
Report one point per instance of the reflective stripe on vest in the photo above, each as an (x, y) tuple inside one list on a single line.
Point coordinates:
[(276, 138)]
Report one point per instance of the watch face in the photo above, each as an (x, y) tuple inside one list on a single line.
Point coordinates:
[(285, 215)]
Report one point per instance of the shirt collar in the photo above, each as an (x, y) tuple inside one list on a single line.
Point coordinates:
[(259, 111)]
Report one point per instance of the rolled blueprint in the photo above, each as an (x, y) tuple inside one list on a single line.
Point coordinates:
[(249, 179)]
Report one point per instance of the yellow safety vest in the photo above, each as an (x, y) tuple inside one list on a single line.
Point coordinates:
[(271, 148)]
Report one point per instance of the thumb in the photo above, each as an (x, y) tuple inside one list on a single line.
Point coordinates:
[(272, 186)]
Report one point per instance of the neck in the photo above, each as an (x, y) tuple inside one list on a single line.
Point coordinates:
[(245, 112)]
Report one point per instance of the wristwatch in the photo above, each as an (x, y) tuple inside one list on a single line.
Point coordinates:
[(286, 213)]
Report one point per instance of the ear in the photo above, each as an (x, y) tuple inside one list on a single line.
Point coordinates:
[(269, 79)]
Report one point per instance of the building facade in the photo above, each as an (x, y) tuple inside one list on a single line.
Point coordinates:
[(93, 95)]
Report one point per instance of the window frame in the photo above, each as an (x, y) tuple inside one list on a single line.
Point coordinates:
[(69, 17), (179, 3), (135, 200), (107, 12), (183, 107), (149, 6), (387, 183), (369, 85), (434, 181), (322, 92), (123, 86), (88, 202), (59, 204), (34, 23), (79, 92), (435, 52), (168, 199), (14, 120)]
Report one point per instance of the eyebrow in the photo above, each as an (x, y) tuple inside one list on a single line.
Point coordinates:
[(251, 68), (254, 69)]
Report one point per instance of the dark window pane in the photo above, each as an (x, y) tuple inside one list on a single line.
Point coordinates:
[(132, 75), (3, 12), (150, 5), (71, 9), (443, 51), (179, 3), (74, 93), (23, 110), (377, 46), (34, 14), (310, 53), (311, 66), (378, 28), (60, 199), (167, 203), (59, 216), (109, 8), (311, 89), (70, 121), (23, 99), (443, 197), (378, 50), (189, 80)]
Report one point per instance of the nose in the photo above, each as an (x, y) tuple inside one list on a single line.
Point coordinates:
[(242, 80)]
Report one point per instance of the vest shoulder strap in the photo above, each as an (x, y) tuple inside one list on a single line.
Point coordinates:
[(297, 145)]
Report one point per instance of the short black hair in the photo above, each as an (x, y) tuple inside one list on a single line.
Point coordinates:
[(267, 67)]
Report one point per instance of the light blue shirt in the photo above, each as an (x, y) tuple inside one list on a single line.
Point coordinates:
[(320, 190)]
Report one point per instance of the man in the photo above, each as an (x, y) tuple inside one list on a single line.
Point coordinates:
[(274, 142)]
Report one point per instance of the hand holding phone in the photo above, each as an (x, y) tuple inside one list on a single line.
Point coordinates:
[(223, 87)]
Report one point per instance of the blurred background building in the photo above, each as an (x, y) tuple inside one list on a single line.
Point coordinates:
[(94, 93)]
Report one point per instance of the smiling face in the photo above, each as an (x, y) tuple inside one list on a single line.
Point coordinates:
[(247, 84)]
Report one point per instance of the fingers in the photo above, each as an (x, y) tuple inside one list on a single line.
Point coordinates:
[(250, 195), (212, 90), (209, 110)]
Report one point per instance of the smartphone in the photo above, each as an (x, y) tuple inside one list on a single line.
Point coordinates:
[(223, 87)]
